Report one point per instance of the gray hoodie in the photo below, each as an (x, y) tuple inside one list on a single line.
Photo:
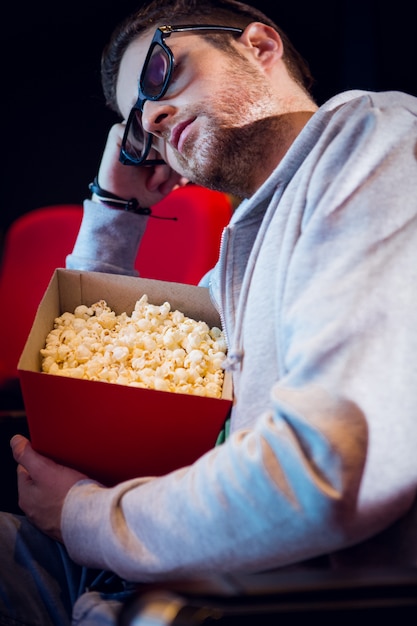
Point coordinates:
[(316, 288)]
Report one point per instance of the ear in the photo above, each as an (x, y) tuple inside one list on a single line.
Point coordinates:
[(263, 42)]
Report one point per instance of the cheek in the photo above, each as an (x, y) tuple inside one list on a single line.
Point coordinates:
[(244, 107), (126, 94), (165, 152), (129, 70), (159, 146), (125, 104)]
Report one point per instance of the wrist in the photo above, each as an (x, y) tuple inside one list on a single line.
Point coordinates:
[(116, 202)]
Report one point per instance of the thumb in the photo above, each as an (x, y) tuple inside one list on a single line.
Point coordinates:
[(26, 456), (19, 444)]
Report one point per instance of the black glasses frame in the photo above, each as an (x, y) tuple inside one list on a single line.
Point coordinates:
[(158, 40)]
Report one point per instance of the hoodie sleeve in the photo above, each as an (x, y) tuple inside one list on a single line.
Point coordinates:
[(108, 240)]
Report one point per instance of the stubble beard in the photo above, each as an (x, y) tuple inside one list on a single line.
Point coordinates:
[(229, 154)]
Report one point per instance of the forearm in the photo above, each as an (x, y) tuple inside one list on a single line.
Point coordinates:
[(190, 522), (108, 240), (110, 236)]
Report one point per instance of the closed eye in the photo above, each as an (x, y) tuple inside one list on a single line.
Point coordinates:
[(176, 73)]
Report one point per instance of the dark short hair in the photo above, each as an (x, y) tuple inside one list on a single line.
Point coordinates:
[(155, 13)]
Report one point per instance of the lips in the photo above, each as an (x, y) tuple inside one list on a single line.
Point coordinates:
[(178, 134)]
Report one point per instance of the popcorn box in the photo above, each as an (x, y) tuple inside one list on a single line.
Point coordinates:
[(109, 431)]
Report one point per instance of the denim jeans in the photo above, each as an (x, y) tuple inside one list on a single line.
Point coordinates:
[(41, 586)]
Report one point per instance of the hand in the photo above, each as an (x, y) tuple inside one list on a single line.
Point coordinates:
[(43, 485), (148, 185)]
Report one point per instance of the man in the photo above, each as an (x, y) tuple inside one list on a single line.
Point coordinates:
[(316, 288)]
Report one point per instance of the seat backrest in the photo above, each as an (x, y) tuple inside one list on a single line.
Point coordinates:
[(38, 242), (35, 244), (183, 250)]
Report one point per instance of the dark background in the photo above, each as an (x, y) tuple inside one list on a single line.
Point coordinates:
[(55, 123)]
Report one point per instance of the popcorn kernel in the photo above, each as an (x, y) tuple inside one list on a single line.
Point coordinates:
[(154, 348)]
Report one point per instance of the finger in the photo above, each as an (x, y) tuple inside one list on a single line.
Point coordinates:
[(23, 476), (162, 180), (18, 444), (115, 136), (26, 456)]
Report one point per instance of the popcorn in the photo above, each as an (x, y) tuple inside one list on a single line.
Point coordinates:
[(154, 348)]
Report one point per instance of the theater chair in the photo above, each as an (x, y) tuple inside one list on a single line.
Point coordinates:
[(284, 598)]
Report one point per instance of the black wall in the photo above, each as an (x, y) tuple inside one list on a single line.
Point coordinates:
[(54, 121)]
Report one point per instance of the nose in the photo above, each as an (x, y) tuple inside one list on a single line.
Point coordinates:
[(156, 118)]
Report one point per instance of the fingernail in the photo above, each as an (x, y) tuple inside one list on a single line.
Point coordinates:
[(15, 440)]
